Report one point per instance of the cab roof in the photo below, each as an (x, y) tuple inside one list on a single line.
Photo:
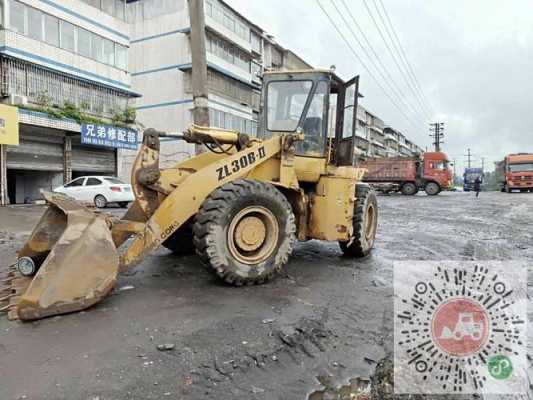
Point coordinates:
[(304, 71)]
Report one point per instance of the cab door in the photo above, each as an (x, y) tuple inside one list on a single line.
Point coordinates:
[(345, 124)]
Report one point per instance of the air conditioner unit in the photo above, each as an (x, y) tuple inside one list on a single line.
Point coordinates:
[(18, 100)]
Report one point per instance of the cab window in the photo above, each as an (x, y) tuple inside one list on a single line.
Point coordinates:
[(314, 125), (438, 165), (285, 104)]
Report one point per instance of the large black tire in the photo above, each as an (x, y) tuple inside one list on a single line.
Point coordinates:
[(181, 241), (245, 232), (365, 220), (409, 189), (432, 188)]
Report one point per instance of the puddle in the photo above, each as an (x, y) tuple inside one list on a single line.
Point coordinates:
[(356, 389)]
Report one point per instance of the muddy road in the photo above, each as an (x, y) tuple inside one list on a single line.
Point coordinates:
[(327, 320)]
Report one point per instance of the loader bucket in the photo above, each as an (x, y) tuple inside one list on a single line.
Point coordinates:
[(77, 263)]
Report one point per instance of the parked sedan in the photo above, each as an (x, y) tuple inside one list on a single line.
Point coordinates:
[(99, 190)]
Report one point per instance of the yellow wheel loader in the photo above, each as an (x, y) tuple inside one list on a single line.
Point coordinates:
[(241, 204)]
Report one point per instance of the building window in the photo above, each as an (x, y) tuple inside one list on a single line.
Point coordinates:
[(256, 42), (51, 30), (114, 8), (84, 43), (121, 56), (225, 50), (35, 24), (109, 52), (47, 28), (17, 17), (68, 39), (222, 119), (225, 17)]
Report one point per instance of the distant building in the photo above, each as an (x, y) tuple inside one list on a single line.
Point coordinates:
[(375, 139), (57, 59)]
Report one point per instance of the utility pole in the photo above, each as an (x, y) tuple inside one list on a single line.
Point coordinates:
[(199, 64), (4, 199), (469, 158), (436, 130), (482, 163)]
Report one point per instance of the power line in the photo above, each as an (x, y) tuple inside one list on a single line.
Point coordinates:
[(391, 52), (396, 89), (406, 71), (406, 60), (363, 64)]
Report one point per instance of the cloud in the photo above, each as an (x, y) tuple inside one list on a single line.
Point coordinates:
[(473, 59)]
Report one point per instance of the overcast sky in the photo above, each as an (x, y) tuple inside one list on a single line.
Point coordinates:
[(473, 59)]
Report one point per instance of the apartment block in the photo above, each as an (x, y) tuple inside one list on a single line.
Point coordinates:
[(58, 58), (375, 139)]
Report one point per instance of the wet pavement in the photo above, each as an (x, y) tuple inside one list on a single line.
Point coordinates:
[(317, 331)]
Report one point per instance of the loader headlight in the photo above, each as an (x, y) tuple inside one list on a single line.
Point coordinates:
[(26, 266)]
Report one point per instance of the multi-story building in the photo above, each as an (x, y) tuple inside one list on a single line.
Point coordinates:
[(375, 139), (62, 63), (237, 53)]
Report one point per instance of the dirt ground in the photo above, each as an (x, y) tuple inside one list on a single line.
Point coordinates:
[(326, 321)]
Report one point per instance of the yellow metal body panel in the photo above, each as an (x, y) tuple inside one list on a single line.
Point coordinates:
[(332, 209), (309, 169)]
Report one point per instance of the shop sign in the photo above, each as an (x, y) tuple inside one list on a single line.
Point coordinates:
[(109, 136), (9, 125)]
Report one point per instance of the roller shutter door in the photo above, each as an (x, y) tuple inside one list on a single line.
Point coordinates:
[(92, 159), (36, 152)]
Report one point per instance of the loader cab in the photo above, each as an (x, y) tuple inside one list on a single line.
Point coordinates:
[(317, 103)]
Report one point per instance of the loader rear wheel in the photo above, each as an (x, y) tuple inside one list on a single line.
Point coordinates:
[(245, 232), (365, 221), (181, 241)]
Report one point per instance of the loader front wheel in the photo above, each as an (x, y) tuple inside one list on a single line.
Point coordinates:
[(365, 221), (181, 241), (245, 231)]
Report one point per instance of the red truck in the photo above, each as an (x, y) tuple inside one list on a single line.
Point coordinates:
[(517, 171), (409, 174)]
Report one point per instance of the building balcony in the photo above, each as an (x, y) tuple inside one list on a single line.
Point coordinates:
[(228, 34), (228, 68), (393, 138), (22, 47)]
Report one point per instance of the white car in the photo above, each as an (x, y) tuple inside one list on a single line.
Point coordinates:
[(99, 190)]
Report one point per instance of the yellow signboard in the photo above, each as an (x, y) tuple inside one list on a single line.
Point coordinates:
[(9, 125)]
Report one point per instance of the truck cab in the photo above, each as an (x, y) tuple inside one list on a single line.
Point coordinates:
[(469, 178), (436, 168), (518, 170)]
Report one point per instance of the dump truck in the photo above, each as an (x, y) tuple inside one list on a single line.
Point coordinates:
[(408, 175), (241, 205), (469, 178), (517, 172)]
